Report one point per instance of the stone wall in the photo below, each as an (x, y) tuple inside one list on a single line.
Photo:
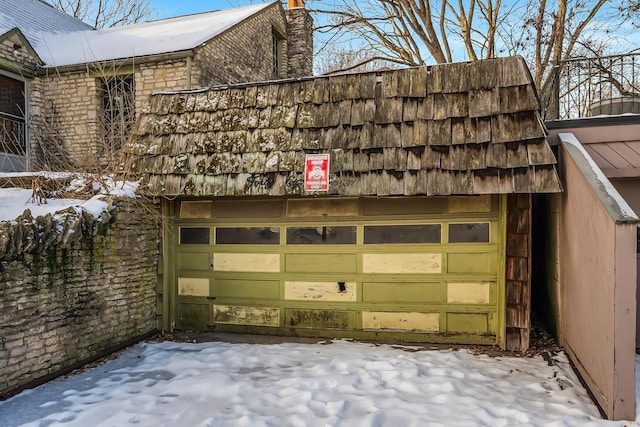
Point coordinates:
[(243, 53), (72, 287)]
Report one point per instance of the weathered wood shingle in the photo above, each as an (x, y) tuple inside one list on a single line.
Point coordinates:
[(468, 128)]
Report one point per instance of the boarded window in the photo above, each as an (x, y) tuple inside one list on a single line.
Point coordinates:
[(247, 235), (381, 234), (194, 235), (469, 233), (323, 235)]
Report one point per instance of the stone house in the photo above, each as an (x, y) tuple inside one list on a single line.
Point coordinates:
[(382, 205), (69, 93)]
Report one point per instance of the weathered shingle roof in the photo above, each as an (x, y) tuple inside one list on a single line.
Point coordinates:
[(467, 128)]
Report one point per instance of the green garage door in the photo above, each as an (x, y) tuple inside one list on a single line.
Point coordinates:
[(420, 269)]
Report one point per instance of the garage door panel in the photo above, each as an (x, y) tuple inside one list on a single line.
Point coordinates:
[(320, 291), (472, 262), (468, 322), (193, 260), (246, 315), (401, 321), (325, 319), (246, 262), (406, 263), (321, 263), (192, 316), (254, 289), (193, 286), (469, 292), (418, 292)]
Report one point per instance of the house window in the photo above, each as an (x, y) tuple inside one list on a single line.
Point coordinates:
[(278, 41), (12, 116), (117, 98)]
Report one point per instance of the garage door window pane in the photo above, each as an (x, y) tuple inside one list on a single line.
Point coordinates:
[(194, 236), (469, 233), (324, 235), (381, 234), (247, 235)]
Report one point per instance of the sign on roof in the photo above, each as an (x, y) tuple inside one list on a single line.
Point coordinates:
[(316, 172)]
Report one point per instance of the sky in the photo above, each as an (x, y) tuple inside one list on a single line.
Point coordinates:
[(170, 8), (330, 383)]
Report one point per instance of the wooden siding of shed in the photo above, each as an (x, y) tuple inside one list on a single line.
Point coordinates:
[(468, 128)]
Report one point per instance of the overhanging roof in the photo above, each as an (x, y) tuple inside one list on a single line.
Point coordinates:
[(468, 128)]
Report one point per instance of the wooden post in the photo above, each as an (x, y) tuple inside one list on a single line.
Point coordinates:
[(518, 272)]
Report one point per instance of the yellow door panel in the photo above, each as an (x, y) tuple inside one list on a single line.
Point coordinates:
[(417, 322), (191, 286), (258, 263), (409, 263), (468, 293), (320, 291)]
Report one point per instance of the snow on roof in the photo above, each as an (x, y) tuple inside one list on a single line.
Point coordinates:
[(137, 40), (37, 20)]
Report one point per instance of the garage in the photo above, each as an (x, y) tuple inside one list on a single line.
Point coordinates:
[(413, 268), (382, 205)]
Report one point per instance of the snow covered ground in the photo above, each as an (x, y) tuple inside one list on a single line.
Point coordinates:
[(14, 201), (333, 383)]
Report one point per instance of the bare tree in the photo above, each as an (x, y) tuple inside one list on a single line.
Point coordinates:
[(335, 58), (107, 13), (415, 32)]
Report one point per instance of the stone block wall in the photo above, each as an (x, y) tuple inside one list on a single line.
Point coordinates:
[(70, 118), (72, 287), (244, 53)]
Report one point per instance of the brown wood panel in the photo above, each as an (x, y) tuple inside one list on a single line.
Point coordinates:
[(608, 153)]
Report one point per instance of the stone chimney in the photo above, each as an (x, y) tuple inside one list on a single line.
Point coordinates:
[(299, 40)]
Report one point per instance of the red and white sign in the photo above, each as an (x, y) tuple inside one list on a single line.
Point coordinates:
[(316, 172)]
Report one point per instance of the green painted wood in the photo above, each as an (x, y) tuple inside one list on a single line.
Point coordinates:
[(192, 316), (255, 290), (468, 322), (322, 319), (471, 262), (193, 260), (402, 292), (321, 263)]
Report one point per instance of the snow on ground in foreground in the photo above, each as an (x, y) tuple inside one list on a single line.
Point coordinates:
[(338, 383), (14, 201)]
